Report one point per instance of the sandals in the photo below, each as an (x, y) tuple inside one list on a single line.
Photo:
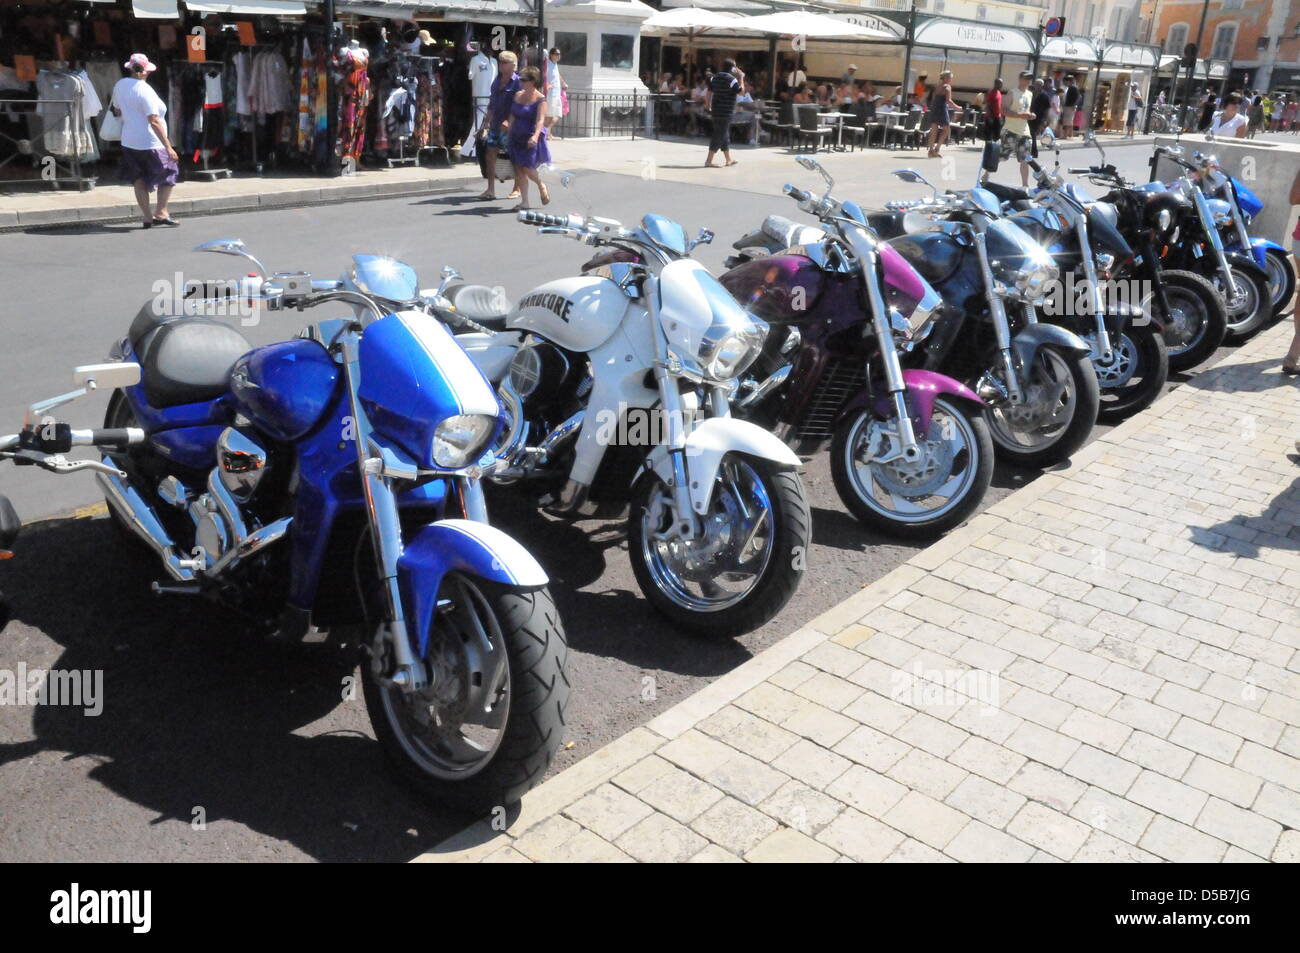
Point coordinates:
[(165, 220), (546, 195)]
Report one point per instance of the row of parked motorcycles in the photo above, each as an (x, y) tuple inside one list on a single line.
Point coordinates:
[(334, 483)]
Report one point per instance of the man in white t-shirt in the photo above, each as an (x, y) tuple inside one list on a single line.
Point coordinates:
[(1229, 122), (148, 159)]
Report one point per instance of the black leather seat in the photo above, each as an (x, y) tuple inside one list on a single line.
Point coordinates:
[(184, 360), (487, 306)]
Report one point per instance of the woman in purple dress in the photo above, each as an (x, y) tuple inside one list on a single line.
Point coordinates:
[(526, 140)]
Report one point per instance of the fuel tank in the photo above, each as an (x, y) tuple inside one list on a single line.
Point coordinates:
[(935, 255), (284, 389), (779, 289), (579, 313)]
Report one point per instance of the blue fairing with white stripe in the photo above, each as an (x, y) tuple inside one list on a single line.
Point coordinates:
[(476, 549), (1249, 203), (413, 377)]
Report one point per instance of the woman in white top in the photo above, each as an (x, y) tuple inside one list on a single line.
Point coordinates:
[(555, 86), (1229, 122), (148, 159)]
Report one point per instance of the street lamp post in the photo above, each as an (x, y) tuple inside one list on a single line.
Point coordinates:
[(1187, 81)]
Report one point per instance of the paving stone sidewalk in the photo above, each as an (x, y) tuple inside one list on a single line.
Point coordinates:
[(1102, 667)]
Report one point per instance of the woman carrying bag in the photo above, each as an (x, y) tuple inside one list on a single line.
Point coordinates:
[(991, 131)]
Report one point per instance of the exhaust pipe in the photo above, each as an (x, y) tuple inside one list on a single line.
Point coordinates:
[(137, 514)]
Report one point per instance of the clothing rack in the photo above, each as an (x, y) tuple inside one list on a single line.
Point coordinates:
[(429, 65), (209, 171), (71, 164)]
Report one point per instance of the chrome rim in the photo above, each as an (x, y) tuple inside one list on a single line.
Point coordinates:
[(1123, 366), (1277, 278), (1048, 408), (453, 728), (913, 492), (1189, 320), (1247, 310), (725, 563)]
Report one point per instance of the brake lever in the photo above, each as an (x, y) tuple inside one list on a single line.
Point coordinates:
[(61, 465)]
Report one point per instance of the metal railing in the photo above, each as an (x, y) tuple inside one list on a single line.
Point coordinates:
[(605, 116)]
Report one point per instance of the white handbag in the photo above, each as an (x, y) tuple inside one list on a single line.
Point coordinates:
[(110, 126)]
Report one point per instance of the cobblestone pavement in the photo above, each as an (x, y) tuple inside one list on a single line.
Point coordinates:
[(1102, 667)]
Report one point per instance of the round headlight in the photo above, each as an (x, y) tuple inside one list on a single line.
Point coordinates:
[(1034, 281), (731, 357), (1164, 219), (461, 440)]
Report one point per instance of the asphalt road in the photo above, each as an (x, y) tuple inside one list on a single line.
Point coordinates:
[(203, 722)]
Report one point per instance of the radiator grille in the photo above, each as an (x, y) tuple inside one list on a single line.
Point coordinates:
[(842, 378)]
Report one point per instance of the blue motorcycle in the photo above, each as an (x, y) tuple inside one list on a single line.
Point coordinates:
[(1233, 206), (331, 485)]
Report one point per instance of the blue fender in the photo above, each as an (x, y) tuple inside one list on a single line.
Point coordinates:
[(473, 548), (1246, 262), (1259, 249), (1032, 338)]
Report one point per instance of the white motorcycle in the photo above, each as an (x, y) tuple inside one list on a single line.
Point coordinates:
[(619, 381)]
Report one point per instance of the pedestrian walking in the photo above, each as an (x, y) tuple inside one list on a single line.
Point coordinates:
[(502, 95), (148, 158), (724, 87), (941, 111), (557, 90), (526, 139), (1229, 123), (991, 131), (1070, 102), (1291, 363), (1134, 107), (1017, 137)]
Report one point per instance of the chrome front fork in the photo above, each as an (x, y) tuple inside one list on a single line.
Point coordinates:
[(1105, 354), (1231, 291), (1001, 327), (868, 260), (385, 529)]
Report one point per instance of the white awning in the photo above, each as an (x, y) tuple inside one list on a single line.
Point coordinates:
[(967, 35), (250, 7), (805, 24), (690, 20), (1074, 48), (156, 9), (871, 22), (376, 8), (1130, 54)]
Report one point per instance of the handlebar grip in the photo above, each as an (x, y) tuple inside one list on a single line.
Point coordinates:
[(799, 195), (1079, 170), (542, 218), (119, 437)]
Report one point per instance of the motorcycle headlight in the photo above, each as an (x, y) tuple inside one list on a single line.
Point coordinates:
[(1034, 281), (461, 440), (1164, 220), (730, 346)]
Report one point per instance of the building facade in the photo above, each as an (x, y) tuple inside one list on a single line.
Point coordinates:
[(1260, 38)]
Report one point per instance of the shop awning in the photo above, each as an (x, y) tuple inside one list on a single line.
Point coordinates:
[(1130, 54), (1073, 48), (804, 24), (970, 35), (872, 22), (156, 9), (250, 7), (376, 8)]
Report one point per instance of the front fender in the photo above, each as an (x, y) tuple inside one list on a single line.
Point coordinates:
[(456, 545), (923, 388), (1246, 262), (1026, 345), (712, 440)]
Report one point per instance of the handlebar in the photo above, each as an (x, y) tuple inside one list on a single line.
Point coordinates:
[(115, 438), (799, 195), (529, 217)]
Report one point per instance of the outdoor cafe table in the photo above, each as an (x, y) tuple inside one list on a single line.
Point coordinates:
[(838, 119)]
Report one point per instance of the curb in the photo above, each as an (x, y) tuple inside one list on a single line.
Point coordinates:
[(482, 838), (11, 221)]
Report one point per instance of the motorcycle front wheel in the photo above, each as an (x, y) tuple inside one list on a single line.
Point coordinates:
[(1281, 278), (747, 560), (1135, 375), (493, 716), (1197, 319), (1252, 311), (916, 500), (1061, 402)]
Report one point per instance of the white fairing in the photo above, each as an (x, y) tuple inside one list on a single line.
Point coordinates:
[(578, 314), (688, 299)]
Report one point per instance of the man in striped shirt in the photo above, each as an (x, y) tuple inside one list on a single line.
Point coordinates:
[(724, 87)]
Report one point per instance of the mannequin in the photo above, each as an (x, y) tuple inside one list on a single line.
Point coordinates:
[(482, 70)]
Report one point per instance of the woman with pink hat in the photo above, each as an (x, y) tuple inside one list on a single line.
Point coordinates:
[(148, 159)]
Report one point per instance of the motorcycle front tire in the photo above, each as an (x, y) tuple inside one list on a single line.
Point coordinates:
[(1120, 401), (1206, 298), (1281, 268), (1083, 381)]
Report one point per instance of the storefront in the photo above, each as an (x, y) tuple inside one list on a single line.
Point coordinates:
[(248, 83)]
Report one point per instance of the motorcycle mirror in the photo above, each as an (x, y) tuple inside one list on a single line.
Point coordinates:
[(449, 274), (705, 237), (231, 246), (915, 178), (115, 376), (809, 163)]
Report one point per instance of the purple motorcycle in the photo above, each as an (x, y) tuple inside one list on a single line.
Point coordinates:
[(911, 455)]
